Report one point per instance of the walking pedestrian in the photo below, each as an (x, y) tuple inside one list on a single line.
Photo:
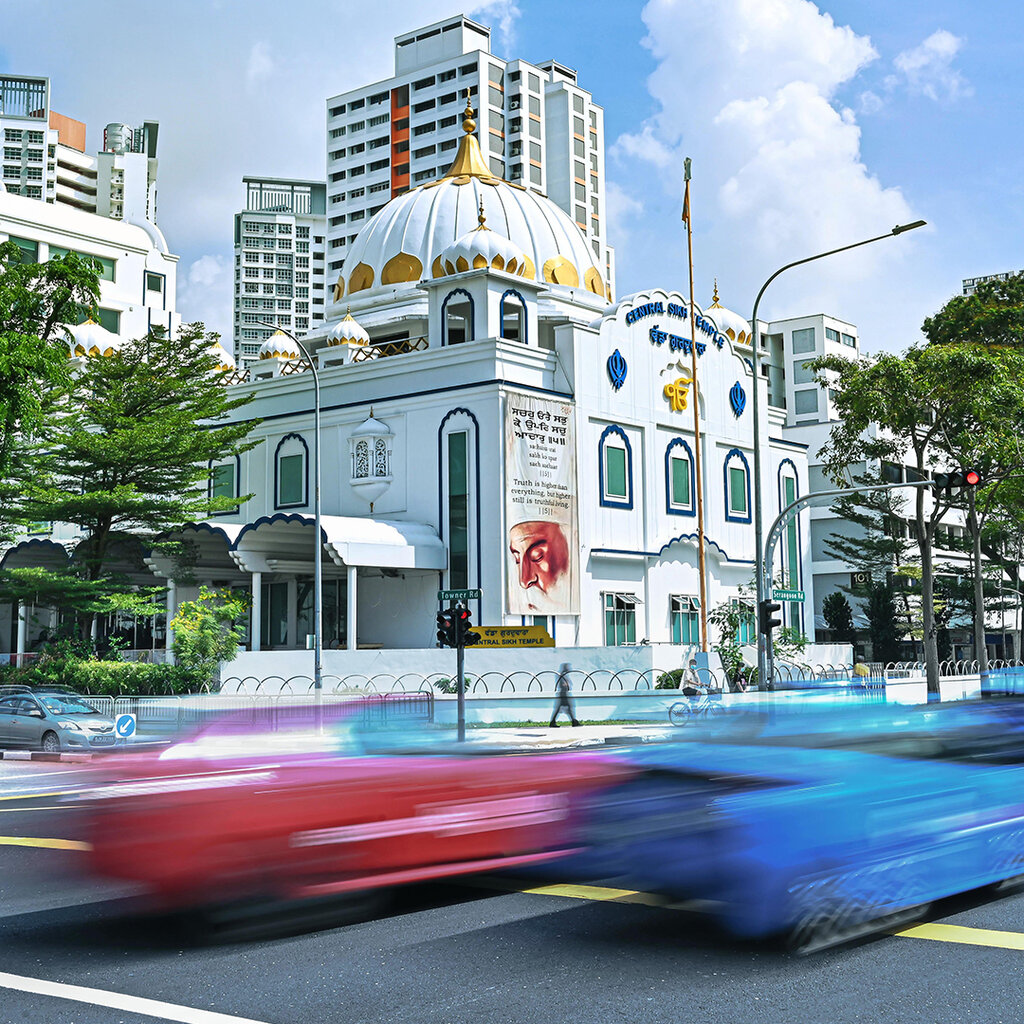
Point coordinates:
[(563, 699)]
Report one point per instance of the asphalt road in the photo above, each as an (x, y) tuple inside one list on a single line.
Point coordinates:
[(74, 951)]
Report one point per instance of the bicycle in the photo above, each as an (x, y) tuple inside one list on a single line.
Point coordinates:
[(696, 704)]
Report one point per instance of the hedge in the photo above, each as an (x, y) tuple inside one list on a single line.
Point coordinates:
[(112, 678)]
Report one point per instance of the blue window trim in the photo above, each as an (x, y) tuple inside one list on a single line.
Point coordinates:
[(501, 313), (444, 314), (678, 442), (237, 484), (305, 473), (799, 545), (730, 516), (474, 486), (607, 502)]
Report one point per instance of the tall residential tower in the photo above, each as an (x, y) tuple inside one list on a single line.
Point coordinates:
[(536, 126), (279, 261)]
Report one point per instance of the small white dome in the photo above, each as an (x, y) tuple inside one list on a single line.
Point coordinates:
[(280, 346), (347, 332), (92, 339), (371, 427), (225, 360), (482, 247), (731, 324)]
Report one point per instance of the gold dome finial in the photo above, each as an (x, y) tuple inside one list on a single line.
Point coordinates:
[(468, 124), (714, 298), (481, 219)]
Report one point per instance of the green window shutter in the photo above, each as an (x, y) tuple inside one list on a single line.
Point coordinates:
[(223, 481), (289, 480), (680, 481), (615, 472), (458, 510), (737, 490)]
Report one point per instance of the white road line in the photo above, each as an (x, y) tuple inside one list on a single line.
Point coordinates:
[(117, 1001)]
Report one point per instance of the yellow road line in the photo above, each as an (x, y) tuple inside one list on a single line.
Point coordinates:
[(45, 844), (596, 892), (967, 936), (39, 796)]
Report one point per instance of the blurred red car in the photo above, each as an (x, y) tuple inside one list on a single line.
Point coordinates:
[(288, 813)]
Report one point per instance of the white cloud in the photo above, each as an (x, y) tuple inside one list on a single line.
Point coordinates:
[(927, 69), (502, 15), (203, 287), (870, 102), (260, 65), (750, 92)]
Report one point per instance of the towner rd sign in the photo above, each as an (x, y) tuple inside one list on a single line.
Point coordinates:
[(513, 636)]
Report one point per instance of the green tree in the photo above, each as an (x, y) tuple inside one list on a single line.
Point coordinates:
[(993, 315), (937, 406), (883, 625), (37, 303), (839, 618), (127, 452), (208, 631)]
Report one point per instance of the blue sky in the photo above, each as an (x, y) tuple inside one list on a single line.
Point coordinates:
[(810, 125)]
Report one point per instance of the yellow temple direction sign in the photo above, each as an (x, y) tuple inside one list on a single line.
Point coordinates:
[(513, 636)]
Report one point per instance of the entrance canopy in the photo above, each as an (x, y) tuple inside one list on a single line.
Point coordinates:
[(284, 542)]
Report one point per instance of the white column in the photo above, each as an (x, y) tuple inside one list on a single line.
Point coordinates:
[(291, 637), (22, 624), (256, 612), (350, 614), (172, 604)]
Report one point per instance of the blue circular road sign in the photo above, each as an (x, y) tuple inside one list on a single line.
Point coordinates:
[(125, 726)]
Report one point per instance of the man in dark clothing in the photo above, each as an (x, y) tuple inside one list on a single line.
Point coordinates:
[(563, 701)]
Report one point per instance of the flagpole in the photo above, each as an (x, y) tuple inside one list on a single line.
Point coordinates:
[(701, 565)]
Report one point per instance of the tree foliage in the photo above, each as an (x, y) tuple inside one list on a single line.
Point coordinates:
[(993, 315), (37, 303), (839, 618), (208, 631)]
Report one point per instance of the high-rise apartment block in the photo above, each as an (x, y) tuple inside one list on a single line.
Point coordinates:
[(536, 127), (970, 284), (44, 156), (280, 275)]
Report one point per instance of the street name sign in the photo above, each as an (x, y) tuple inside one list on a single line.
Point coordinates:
[(513, 636), (459, 595), (788, 595)]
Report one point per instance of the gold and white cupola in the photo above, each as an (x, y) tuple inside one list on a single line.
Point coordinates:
[(405, 243), (478, 249), (731, 324), (91, 339)]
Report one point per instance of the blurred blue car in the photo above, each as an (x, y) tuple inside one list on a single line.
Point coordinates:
[(820, 826)]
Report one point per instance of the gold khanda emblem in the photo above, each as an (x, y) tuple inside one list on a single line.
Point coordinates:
[(677, 393)]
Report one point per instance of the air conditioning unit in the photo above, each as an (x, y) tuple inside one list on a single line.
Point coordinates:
[(517, 172), (515, 149), (513, 104)]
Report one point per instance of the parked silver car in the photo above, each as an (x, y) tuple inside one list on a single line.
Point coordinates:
[(54, 721)]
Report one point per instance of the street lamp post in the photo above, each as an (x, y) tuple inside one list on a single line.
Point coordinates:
[(764, 585), (318, 580)]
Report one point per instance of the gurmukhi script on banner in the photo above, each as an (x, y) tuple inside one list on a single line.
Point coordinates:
[(542, 545)]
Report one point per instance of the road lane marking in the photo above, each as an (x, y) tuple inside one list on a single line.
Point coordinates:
[(961, 934), (28, 810), (45, 844), (598, 893), (118, 1001), (40, 796)]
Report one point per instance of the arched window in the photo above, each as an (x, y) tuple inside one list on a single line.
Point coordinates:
[(512, 314), (680, 499), (458, 455), (737, 487), (457, 317), (615, 468), (224, 482), (789, 491), (291, 472)]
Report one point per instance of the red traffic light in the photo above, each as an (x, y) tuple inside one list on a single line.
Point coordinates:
[(972, 477)]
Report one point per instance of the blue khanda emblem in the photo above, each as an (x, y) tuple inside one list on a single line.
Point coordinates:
[(737, 398), (617, 369)]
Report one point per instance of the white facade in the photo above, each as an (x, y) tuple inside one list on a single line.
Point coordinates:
[(280, 273), (139, 279), (536, 128)]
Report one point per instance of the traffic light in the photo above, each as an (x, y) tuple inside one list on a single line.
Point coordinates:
[(947, 483), (463, 625), (445, 629), (767, 621)]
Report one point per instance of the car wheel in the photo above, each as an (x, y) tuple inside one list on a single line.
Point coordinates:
[(51, 743), (679, 713)]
